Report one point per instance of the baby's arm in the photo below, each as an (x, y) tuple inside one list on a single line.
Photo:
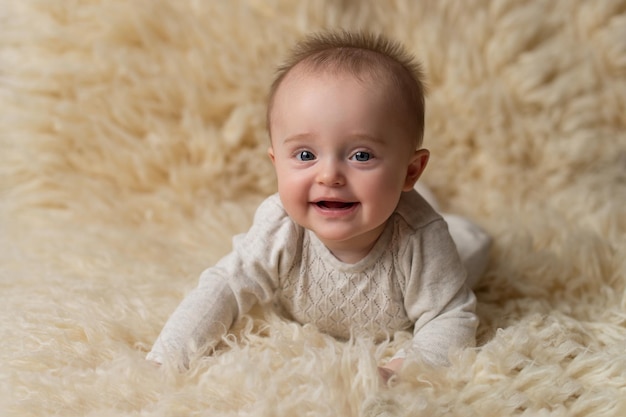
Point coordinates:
[(198, 323), (246, 276), (438, 299)]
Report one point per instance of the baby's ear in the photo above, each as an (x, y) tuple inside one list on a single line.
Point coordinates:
[(417, 164), (270, 153)]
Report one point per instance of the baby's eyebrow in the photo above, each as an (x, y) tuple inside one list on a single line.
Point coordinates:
[(369, 138), (359, 137), (301, 137)]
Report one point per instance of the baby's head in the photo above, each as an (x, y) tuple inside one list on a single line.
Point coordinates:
[(372, 59), (346, 119)]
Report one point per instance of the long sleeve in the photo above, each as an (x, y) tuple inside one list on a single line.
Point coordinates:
[(437, 297), (249, 274)]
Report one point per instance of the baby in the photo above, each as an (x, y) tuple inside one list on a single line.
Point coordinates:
[(347, 243)]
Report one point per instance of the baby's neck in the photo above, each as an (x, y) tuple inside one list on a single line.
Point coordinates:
[(350, 256)]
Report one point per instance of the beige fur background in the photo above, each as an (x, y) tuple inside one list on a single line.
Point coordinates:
[(132, 148)]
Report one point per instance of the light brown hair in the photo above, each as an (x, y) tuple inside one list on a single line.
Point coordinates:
[(361, 54)]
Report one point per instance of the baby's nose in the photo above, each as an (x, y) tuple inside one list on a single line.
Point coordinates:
[(330, 174)]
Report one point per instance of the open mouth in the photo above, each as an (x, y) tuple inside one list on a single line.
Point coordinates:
[(335, 205)]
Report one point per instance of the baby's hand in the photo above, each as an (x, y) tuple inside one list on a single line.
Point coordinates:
[(390, 369), (154, 363)]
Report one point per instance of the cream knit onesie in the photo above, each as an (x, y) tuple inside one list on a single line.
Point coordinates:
[(412, 277)]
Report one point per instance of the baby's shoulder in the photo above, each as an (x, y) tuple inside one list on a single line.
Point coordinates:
[(414, 213), (271, 217), (270, 208)]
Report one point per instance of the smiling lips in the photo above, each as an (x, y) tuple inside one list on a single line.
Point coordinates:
[(335, 208), (334, 205)]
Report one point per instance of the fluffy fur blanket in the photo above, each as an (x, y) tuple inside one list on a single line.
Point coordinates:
[(133, 146)]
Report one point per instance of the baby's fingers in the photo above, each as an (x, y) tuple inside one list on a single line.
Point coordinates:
[(385, 374)]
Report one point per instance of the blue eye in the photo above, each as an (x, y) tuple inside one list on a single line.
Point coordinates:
[(362, 156), (305, 156)]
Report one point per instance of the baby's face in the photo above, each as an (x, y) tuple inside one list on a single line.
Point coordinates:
[(342, 156)]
